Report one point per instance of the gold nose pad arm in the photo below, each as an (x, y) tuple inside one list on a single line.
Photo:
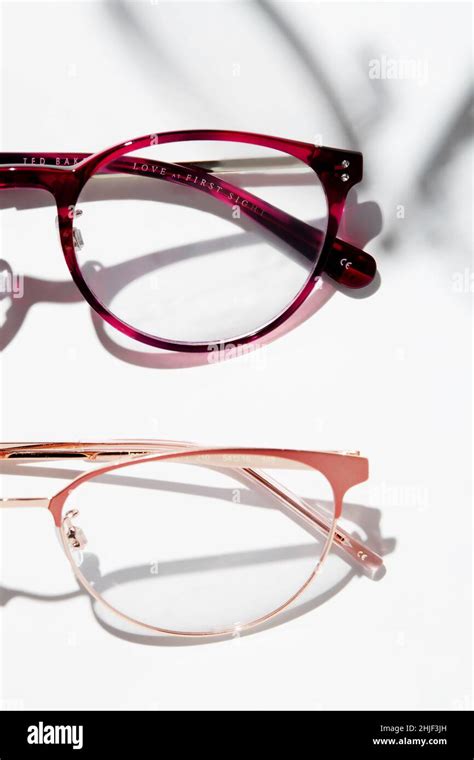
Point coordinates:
[(74, 534)]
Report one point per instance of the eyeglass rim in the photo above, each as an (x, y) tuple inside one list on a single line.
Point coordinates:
[(328, 463), (66, 183), (325, 162)]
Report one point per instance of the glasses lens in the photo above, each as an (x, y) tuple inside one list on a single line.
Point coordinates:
[(201, 241), (191, 548)]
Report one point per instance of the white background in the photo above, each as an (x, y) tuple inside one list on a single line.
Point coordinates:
[(389, 373)]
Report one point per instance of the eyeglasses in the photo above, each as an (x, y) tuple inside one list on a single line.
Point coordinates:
[(192, 541), (223, 250)]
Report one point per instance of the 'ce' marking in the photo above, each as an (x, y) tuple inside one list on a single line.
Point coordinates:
[(346, 263)]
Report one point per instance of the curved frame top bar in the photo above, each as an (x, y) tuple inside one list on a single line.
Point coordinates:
[(342, 469)]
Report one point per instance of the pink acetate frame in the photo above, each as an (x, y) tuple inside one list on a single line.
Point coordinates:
[(64, 175), (343, 470)]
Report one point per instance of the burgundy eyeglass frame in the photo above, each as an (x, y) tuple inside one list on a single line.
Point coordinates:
[(65, 174)]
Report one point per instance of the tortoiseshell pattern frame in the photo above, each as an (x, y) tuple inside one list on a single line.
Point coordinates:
[(342, 469), (65, 174)]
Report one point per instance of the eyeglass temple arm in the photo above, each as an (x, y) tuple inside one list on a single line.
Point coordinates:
[(346, 264), (315, 517), (114, 451)]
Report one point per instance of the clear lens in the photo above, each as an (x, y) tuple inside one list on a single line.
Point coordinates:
[(190, 548), (211, 249)]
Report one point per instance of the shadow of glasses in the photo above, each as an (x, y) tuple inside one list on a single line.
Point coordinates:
[(339, 572)]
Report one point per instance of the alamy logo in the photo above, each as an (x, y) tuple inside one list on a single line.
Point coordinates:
[(42, 734), (414, 69), (10, 283)]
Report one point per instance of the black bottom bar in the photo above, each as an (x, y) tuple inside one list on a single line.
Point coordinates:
[(139, 734)]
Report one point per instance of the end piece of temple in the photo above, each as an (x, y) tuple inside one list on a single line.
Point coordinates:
[(360, 553), (350, 266)]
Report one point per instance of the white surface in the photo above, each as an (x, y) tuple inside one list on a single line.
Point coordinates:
[(389, 374)]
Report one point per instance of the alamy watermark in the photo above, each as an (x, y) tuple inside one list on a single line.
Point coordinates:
[(463, 282), (253, 354), (412, 495), (408, 69), (11, 284)]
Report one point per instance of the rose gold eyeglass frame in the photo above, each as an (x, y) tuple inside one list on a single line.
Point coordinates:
[(342, 469)]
